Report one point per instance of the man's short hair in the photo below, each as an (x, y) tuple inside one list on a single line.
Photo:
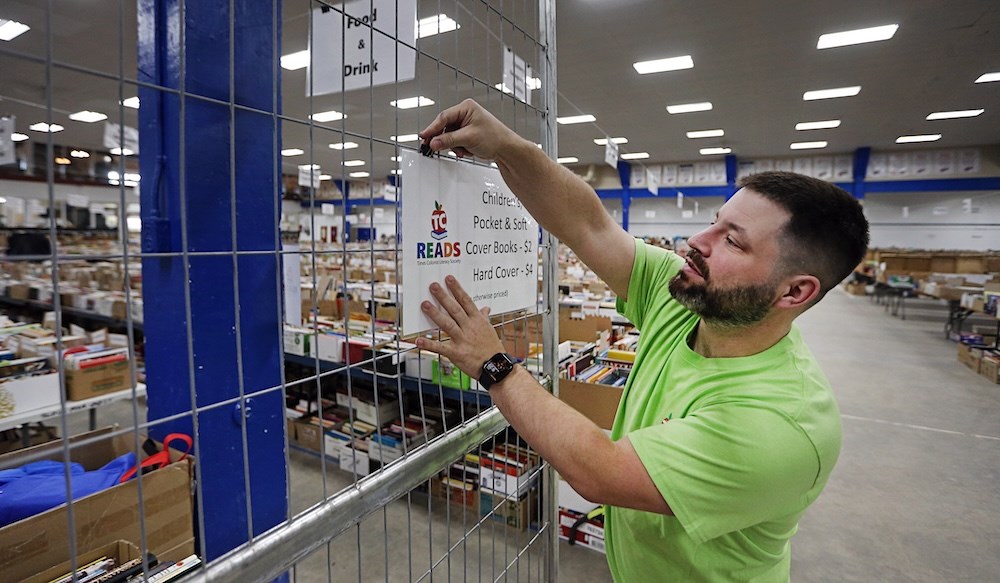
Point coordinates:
[(826, 234)]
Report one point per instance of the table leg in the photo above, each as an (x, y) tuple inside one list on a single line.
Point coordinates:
[(93, 418)]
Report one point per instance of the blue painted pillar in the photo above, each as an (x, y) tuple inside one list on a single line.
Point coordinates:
[(732, 169), (861, 156), (197, 139), (626, 203), (625, 177)]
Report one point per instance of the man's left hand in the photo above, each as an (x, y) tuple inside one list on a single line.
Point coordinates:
[(473, 340)]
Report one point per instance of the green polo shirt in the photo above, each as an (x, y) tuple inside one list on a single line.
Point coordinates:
[(739, 447)]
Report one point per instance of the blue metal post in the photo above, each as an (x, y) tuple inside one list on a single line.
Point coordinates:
[(625, 177), (186, 151), (732, 169), (861, 156)]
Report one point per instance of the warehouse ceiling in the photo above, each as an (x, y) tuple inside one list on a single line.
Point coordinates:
[(752, 60)]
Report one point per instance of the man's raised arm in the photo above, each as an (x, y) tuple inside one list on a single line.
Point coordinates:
[(559, 200)]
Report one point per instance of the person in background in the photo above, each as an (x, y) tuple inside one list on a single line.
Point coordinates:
[(727, 430)]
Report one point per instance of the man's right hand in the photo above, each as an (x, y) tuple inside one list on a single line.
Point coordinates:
[(469, 130)]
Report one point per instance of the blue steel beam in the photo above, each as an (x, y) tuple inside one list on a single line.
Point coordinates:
[(214, 157)]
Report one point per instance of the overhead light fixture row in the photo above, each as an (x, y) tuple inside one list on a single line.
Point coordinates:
[(354, 162), (914, 139), (405, 138), (18, 137), (714, 151), (954, 114), (80, 154), (88, 116), (359, 174), (808, 145), (662, 65), (856, 37), (325, 116), (572, 119), (132, 102), (295, 61), (568, 160), (437, 24), (412, 102), (44, 127), (831, 93), (11, 29), (293, 152), (604, 141), (988, 77), (635, 156), (344, 146), (706, 134), (818, 125), (689, 107)]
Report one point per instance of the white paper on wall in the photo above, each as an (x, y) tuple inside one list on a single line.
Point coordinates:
[(718, 173), (968, 162), (878, 166), (823, 167), (842, 168), (923, 162), (744, 169), (784, 165), (803, 166), (669, 175), (899, 165), (702, 173), (685, 174), (944, 162)]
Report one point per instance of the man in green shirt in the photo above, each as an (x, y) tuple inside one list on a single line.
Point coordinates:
[(727, 430)]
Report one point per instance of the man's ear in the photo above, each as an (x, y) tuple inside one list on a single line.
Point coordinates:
[(798, 291)]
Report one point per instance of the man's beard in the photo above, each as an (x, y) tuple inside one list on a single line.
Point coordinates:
[(734, 307)]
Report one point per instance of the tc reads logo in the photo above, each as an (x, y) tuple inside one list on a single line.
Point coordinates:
[(439, 230), (439, 222)]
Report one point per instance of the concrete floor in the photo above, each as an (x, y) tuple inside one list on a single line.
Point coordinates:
[(915, 495)]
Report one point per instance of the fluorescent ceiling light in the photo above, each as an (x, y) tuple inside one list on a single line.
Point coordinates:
[(308, 166), (295, 61), (44, 127), (437, 24), (411, 102), (62, 160), (831, 93), (344, 146), (575, 119), (293, 152), (2, 200), (131, 176), (114, 182), (714, 151), (918, 138), (87, 116), (604, 141), (325, 177), (18, 137), (405, 138), (988, 77), (359, 175), (568, 160), (354, 162), (635, 156), (954, 114), (534, 83), (807, 145), (80, 154), (327, 116), (818, 125), (114, 175), (706, 134), (394, 158), (689, 107), (11, 29), (122, 152), (396, 171), (132, 102), (856, 37), (661, 65)]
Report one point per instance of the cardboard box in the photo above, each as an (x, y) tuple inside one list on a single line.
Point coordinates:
[(36, 543), (502, 483), (989, 367), (456, 492), (420, 365), (98, 380), (121, 551), (514, 512), (308, 435), (23, 394), (599, 403)]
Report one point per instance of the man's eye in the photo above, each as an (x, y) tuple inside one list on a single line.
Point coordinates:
[(732, 242)]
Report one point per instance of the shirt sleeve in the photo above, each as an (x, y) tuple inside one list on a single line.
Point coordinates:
[(728, 467), (651, 272)]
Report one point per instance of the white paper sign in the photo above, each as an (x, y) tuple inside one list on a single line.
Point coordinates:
[(6, 143), (718, 173), (669, 174), (803, 166), (309, 176), (823, 167), (77, 200), (637, 178), (611, 154), (878, 165), (461, 219), (922, 163), (944, 162), (687, 214), (327, 209), (968, 161), (515, 76), (685, 174), (899, 164), (124, 137), (348, 54), (744, 169), (702, 173), (842, 168), (784, 165), (650, 214), (653, 180)]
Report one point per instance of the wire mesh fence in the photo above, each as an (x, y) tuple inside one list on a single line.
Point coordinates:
[(202, 294)]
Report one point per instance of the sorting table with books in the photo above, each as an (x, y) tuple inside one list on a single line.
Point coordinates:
[(90, 405)]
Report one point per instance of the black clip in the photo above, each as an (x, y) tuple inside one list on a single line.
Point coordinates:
[(425, 150)]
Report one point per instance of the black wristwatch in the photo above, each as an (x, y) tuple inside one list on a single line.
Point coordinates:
[(496, 369)]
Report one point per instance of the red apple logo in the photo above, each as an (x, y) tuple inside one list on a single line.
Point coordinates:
[(439, 222)]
